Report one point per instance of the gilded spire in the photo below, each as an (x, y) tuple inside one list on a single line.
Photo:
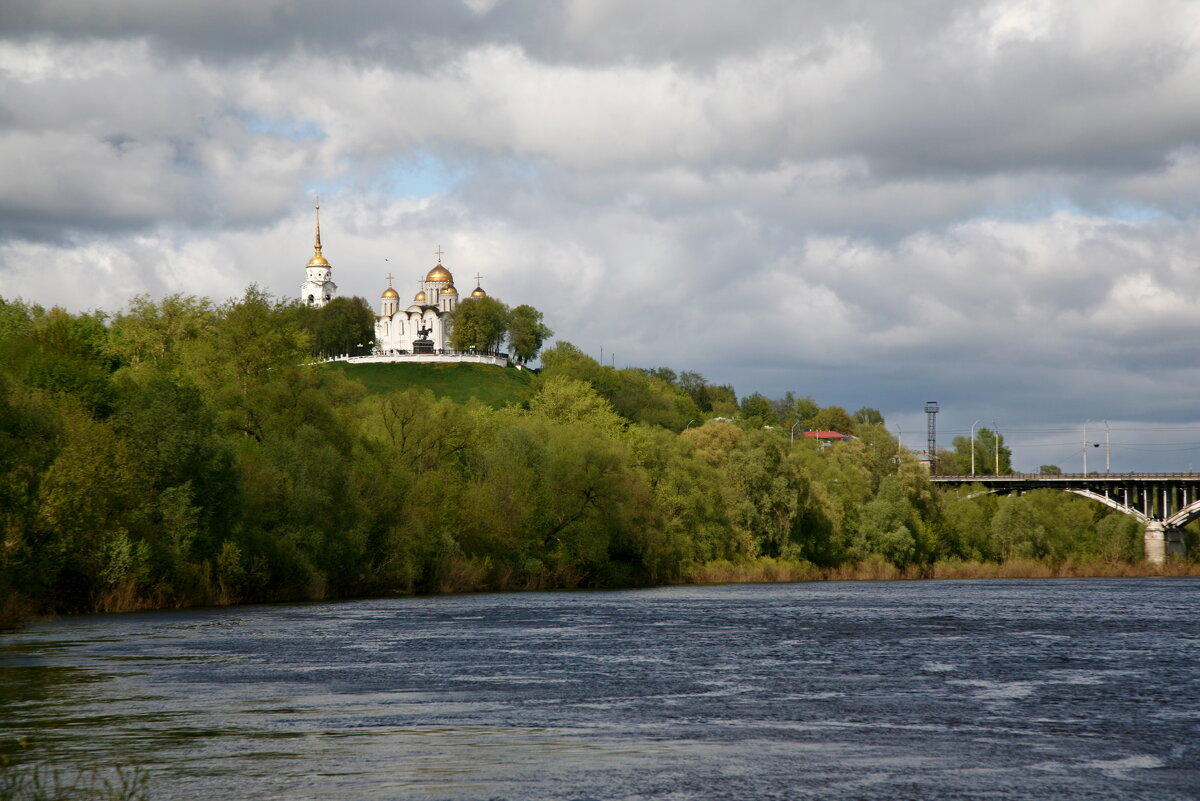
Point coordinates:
[(318, 208), (318, 260)]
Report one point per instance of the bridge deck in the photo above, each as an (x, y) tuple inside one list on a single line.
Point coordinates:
[(1163, 502), (1072, 478)]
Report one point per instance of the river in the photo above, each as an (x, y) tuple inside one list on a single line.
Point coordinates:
[(1046, 689)]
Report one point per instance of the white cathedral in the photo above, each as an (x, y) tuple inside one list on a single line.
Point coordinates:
[(420, 329)]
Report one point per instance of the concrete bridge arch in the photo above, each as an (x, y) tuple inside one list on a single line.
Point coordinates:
[(1163, 502)]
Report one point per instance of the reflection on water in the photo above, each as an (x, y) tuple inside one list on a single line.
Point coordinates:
[(1018, 689)]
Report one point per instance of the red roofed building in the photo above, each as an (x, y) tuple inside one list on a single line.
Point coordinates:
[(826, 437)]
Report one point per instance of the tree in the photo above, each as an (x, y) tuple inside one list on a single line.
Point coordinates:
[(989, 453), (526, 332), (151, 333), (868, 415), (890, 526), (756, 410), (1015, 529), (341, 326), (791, 408), (721, 400), (479, 324), (568, 361), (1050, 470), (769, 492), (831, 418), (644, 398)]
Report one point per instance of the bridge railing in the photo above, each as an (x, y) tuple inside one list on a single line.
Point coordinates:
[(1063, 477)]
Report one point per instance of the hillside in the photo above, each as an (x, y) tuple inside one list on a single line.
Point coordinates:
[(494, 386)]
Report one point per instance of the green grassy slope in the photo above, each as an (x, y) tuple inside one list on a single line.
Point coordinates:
[(495, 386)]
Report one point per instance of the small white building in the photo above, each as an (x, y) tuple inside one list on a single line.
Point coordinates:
[(318, 287)]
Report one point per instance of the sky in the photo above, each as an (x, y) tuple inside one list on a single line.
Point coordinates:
[(993, 205)]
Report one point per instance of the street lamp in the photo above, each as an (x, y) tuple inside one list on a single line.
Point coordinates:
[(1107, 450), (996, 446), (973, 446), (1085, 422), (794, 430)]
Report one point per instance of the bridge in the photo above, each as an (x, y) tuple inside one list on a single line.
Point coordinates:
[(1163, 502)]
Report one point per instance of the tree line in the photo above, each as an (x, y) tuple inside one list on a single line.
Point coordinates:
[(182, 452)]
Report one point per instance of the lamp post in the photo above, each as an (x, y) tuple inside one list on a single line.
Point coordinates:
[(1085, 422), (1107, 450), (973, 446), (794, 430), (996, 446)]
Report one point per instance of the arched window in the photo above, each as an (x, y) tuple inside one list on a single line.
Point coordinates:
[(310, 300)]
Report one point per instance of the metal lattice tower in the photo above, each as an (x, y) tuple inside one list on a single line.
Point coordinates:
[(931, 410)]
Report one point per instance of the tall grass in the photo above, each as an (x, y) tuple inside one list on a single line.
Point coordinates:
[(766, 569)]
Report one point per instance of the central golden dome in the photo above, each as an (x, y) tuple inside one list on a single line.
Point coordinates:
[(318, 261), (439, 273), (390, 293)]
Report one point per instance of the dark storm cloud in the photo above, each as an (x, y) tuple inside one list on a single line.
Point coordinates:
[(995, 202)]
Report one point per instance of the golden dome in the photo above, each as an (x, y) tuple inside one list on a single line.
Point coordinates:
[(478, 292), (420, 297), (390, 293), (450, 290), (439, 273), (318, 261)]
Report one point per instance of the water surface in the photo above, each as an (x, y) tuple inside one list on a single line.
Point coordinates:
[(1072, 689)]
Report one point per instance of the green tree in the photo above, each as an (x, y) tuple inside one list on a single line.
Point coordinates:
[(890, 526), (792, 408), (868, 415), (831, 418), (1015, 530), (720, 400), (756, 410), (479, 324), (645, 398), (989, 452), (150, 334), (770, 493), (526, 333), (343, 326), (569, 400)]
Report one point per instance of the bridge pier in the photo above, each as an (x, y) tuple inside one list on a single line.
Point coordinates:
[(1162, 541)]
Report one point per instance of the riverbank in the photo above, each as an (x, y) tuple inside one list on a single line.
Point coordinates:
[(773, 570), (15, 612)]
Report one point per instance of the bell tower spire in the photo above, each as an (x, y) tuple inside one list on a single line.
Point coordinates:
[(317, 245), (318, 287)]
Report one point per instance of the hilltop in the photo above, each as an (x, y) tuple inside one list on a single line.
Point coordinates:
[(494, 386)]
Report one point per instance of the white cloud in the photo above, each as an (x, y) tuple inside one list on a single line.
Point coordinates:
[(997, 201)]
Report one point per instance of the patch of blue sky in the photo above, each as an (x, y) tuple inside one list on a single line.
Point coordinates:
[(1039, 208), (282, 128), (1134, 212), (419, 174)]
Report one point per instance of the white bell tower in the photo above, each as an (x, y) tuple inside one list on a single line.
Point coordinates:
[(318, 287)]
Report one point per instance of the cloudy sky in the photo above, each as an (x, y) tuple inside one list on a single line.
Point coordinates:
[(995, 205)]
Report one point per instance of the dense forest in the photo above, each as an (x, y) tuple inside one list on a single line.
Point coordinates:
[(186, 453)]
